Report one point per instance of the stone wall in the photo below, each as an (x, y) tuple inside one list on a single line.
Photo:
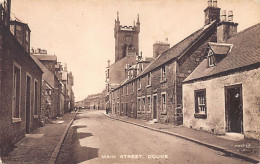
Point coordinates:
[(13, 52), (215, 99)]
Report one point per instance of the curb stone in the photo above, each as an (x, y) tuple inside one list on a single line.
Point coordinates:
[(57, 149), (212, 146)]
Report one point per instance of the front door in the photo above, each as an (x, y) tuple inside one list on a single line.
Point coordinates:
[(28, 103), (126, 109), (154, 107), (234, 109)]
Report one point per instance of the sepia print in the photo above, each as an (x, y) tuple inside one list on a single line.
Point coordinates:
[(129, 81)]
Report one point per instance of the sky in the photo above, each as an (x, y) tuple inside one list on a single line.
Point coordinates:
[(81, 32)]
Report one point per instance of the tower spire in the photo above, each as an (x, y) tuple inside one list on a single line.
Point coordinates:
[(117, 17), (138, 19)]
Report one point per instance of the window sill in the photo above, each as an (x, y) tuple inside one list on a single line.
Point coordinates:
[(163, 81), (197, 115), (14, 120), (148, 86), (35, 116), (148, 112), (139, 89), (132, 93), (164, 113), (132, 112), (139, 112)]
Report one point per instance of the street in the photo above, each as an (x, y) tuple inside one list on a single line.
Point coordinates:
[(95, 138)]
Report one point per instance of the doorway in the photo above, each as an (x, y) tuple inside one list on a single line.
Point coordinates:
[(234, 109), (28, 103), (155, 107)]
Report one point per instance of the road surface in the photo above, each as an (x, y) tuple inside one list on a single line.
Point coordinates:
[(95, 138)]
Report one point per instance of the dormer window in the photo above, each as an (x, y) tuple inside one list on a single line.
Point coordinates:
[(216, 52), (211, 59)]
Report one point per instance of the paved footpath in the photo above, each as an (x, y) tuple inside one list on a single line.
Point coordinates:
[(245, 148), (40, 146)]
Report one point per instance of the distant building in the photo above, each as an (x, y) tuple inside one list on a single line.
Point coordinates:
[(20, 81), (94, 102)]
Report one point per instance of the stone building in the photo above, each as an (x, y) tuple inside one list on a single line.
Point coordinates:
[(51, 90), (159, 86), (222, 94), (158, 92), (51, 98), (20, 81)]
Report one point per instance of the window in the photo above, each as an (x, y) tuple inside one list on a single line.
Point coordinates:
[(163, 101), (211, 59), (132, 109), (35, 97), (139, 83), (122, 90), (149, 102), (143, 109), (149, 79), (18, 33), (126, 92), (200, 103), (122, 108), (16, 100), (163, 73), (139, 104), (133, 87), (27, 36)]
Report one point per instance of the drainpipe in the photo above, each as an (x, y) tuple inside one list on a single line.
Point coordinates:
[(175, 88)]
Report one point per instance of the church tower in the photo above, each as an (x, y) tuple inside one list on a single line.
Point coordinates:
[(126, 39)]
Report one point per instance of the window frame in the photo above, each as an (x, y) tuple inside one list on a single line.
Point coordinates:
[(197, 95), (211, 58), (149, 103), (149, 79), (163, 103), (36, 99), (16, 119), (139, 104), (139, 83), (143, 104), (163, 73)]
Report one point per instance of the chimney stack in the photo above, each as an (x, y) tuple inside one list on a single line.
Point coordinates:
[(230, 16), (225, 28), (223, 15), (160, 47), (212, 12), (215, 3), (209, 3)]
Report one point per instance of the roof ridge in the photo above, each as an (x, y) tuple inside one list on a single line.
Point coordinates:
[(203, 29), (243, 31)]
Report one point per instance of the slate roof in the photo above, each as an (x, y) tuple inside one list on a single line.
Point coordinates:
[(46, 57), (48, 76), (220, 49), (178, 49), (245, 52)]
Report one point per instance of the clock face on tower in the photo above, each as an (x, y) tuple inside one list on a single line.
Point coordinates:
[(128, 39)]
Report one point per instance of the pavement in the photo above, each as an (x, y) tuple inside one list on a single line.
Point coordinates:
[(42, 145), (231, 145)]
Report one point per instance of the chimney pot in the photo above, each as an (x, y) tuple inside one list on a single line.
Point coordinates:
[(215, 3), (230, 16), (223, 15), (209, 3)]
